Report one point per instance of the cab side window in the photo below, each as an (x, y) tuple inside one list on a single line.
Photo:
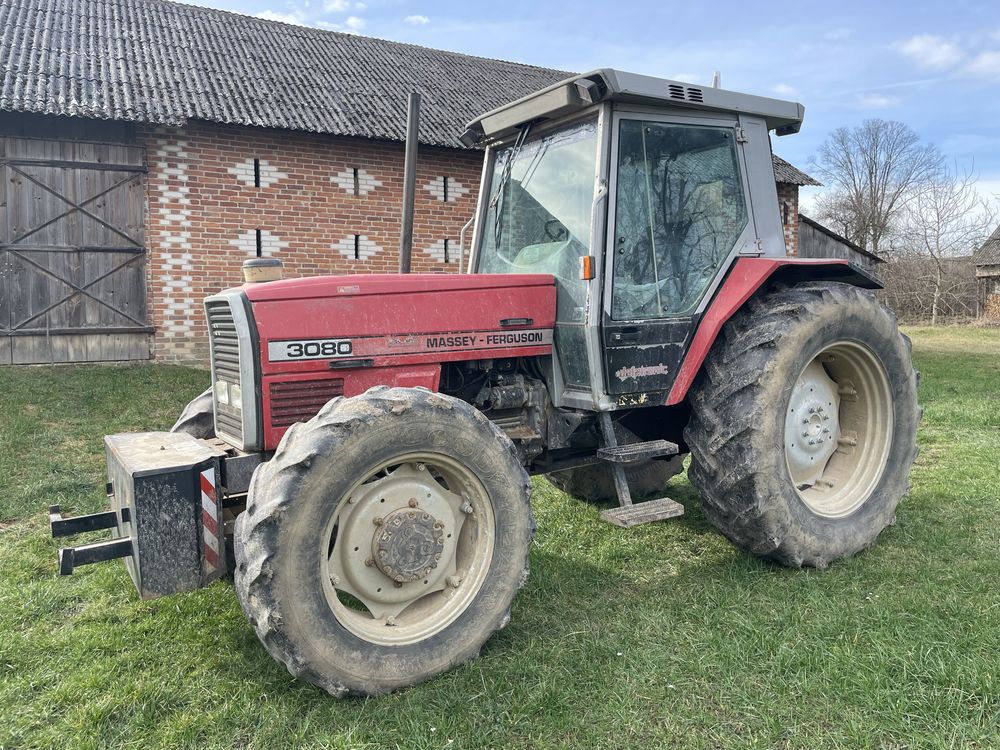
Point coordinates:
[(680, 209)]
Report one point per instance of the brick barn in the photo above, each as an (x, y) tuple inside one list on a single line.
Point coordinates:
[(147, 148)]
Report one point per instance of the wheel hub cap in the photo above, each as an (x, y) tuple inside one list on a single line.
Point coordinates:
[(812, 425), (408, 545)]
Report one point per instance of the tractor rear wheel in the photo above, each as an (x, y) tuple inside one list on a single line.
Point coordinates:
[(198, 417), (803, 426), (385, 540)]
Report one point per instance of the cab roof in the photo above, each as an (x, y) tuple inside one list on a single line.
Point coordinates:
[(582, 91)]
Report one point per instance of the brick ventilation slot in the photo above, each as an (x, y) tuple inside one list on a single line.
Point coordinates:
[(256, 173), (260, 246), (357, 247), (299, 400)]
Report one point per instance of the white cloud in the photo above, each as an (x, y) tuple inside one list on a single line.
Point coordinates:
[(354, 23), (985, 65), (336, 6), (876, 101), (783, 89), (416, 20), (931, 52), (294, 17)]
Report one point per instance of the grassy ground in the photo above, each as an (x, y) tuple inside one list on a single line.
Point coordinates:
[(660, 636)]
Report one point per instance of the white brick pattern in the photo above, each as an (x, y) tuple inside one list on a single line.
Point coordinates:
[(345, 181), (436, 251), (455, 189), (366, 247), (270, 243), (269, 174), (172, 220)]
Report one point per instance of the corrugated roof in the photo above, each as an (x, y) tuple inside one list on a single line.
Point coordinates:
[(988, 253), (786, 173), (162, 62)]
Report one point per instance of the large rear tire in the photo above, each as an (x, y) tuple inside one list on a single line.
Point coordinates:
[(385, 540), (803, 426)]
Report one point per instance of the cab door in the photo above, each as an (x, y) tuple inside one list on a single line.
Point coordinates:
[(680, 213)]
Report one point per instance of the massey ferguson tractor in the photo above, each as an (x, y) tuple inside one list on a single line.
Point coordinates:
[(361, 462)]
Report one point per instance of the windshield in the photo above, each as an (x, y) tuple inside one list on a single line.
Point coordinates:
[(538, 216)]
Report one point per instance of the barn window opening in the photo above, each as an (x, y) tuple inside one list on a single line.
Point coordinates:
[(447, 259), (784, 213), (260, 246), (444, 181), (256, 173), (357, 185), (357, 245)]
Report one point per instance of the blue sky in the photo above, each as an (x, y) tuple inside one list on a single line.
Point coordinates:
[(932, 65)]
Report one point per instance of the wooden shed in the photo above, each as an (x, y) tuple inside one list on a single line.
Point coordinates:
[(817, 241), (987, 262)]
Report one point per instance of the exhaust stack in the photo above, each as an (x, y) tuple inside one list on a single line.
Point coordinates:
[(409, 181)]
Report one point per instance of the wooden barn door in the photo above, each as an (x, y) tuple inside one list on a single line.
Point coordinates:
[(72, 252)]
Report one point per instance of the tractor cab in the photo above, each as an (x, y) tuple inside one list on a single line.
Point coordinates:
[(637, 194)]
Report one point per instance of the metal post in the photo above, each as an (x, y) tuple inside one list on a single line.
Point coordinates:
[(409, 181)]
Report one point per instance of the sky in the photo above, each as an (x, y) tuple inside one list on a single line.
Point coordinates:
[(932, 65)]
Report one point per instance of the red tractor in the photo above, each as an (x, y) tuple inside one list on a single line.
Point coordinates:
[(361, 462)]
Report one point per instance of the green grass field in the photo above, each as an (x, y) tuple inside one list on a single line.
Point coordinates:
[(658, 636)]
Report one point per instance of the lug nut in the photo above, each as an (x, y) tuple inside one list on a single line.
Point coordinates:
[(397, 584), (421, 467), (453, 581), (377, 520), (369, 562), (466, 507), (335, 580), (413, 502), (390, 621)]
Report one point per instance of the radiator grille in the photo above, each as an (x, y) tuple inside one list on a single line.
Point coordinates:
[(225, 351), (299, 400)]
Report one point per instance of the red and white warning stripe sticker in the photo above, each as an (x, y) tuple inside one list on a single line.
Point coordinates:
[(209, 522)]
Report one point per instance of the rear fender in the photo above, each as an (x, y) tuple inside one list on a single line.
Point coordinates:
[(747, 276)]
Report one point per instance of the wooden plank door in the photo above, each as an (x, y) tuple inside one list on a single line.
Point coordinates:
[(73, 253)]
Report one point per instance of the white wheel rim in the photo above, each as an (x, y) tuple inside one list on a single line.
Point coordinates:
[(838, 429), (430, 517)]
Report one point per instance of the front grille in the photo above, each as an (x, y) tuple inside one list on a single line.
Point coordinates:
[(225, 350), (299, 400)]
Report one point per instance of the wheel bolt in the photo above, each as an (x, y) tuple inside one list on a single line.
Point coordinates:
[(805, 434), (812, 409), (826, 429), (466, 507), (812, 442), (390, 621), (369, 562), (413, 502), (453, 581), (377, 520), (335, 580), (421, 467), (397, 584)]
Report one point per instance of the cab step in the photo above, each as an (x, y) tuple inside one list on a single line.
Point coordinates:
[(651, 510), (632, 452), (629, 513)]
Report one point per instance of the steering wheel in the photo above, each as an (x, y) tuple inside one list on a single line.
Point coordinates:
[(555, 230)]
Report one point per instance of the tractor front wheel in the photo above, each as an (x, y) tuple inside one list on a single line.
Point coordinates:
[(803, 425), (385, 540)]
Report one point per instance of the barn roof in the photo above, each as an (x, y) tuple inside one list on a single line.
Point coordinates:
[(988, 253), (161, 62), (786, 173)]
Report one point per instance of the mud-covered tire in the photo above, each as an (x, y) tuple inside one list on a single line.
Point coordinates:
[(294, 502), (741, 437), (596, 482), (198, 417)]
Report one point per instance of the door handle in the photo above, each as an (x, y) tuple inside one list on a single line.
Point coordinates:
[(625, 336)]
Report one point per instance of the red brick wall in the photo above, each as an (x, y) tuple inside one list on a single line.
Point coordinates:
[(788, 206), (204, 212)]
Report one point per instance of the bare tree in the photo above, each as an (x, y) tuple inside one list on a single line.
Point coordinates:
[(871, 169), (945, 219)]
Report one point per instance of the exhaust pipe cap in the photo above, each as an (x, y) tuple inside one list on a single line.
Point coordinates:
[(257, 270)]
